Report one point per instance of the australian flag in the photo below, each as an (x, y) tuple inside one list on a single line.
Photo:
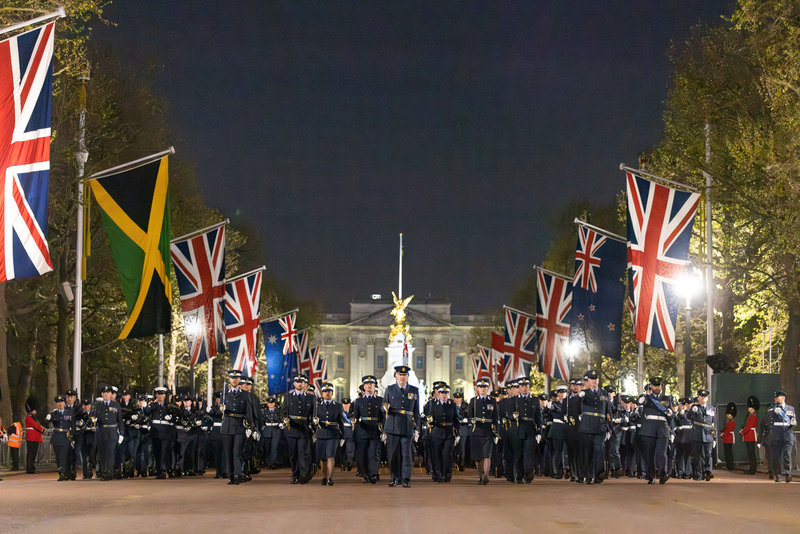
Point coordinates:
[(279, 365), (598, 292)]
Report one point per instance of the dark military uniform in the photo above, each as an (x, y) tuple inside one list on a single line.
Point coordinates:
[(528, 416), (109, 423), (556, 433), (781, 418), (504, 451), (215, 449), (330, 427), (84, 442), (132, 418), (483, 415), (703, 438), (61, 440), (461, 453), (573, 408), (237, 422), (655, 413), (402, 420), (270, 436), (443, 421), (162, 435), (347, 452), (369, 417), (683, 443), (299, 409), (592, 429)]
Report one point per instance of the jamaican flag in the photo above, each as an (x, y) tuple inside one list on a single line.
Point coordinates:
[(135, 209)]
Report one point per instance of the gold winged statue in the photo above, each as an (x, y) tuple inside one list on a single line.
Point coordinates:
[(399, 310)]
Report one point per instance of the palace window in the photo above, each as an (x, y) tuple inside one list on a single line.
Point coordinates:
[(459, 363), (340, 362), (420, 362), (380, 362)]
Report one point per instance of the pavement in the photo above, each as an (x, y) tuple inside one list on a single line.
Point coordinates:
[(730, 503)]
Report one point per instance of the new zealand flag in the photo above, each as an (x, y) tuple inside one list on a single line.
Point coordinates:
[(279, 365), (598, 292)]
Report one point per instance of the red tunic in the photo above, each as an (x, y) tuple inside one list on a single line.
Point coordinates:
[(749, 430), (33, 430), (727, 434)]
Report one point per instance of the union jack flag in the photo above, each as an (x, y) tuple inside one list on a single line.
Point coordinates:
[(26, 87), (319, 369), (587, 260), (289, 335), (518, 345), (242, 307), (200, 269), (502, 363), (303, 357), (482, 365), (552, 306), (660, 221)]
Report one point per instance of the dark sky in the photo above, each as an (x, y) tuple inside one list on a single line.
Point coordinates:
[(329, 127)]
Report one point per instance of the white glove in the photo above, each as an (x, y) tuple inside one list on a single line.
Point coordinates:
[(248, 432), (672, 438), (465, 421), (49, 416), (257, 435), (208, 409), (608, 436), (669, 412), (79, 423), (282, 426), (641, 400), (538, 438), (458, 438), (222, 407), (4, 439), (135, 417), (167, 418), (341, 443), (496, 439), (616, 421), (694, 409), (549, 405), (714, 446), (383, 438), (315, 421), (581, 393), (119, 439), (758, 445), (416, 436)]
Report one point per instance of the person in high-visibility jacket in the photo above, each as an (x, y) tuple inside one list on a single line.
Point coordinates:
[(15, 437)]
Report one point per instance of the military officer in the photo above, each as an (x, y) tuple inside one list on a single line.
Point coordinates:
[(60, 421), (683, 439), (401, 403), (238, 422), (298, 411), (330, 428), (703, 436), (504, 452), (528, 416), (73, 408), (347, 452), (781, 418), (593, 427), (443, 420), (251, 444), (461, 452), (483, 414), (270, 433), (656, 414), (556, 411), (573, 411), (215, 448), (85, 429), (162, 431), (131, 417), (369, 417), (107, 436)]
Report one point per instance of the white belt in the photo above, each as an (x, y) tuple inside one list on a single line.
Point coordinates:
[(558, 421), (625, 428), (656, 418), (684, 427), (781, 424), (271, 424), (218, 423), (179, 427), (160, 422), (348, 424)]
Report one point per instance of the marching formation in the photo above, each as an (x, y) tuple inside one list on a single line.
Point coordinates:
[(582, 432)]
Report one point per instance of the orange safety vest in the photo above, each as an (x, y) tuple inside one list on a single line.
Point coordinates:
[(15, 438)]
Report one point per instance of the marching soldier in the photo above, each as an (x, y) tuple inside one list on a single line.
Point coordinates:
[(401, 402), (61, 422), (107, 436), (238, 422), (462, 449), (443, 422), (703, 437), (656, 416), (781, 417), (347, 452), (573, 409), (330, 428), (73, 408), (85, 428), (528, 417), (593, 427), (270, 433), (298, 412), (162, 431), (215, 438), (369, 417), (683, 440), (629, 440), (613, 459), (251, 444), (144, 453), (483, 415), (504, 452), (131, 418), (556, 412)]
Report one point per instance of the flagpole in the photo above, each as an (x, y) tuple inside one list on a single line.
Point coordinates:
[(81, 157), (640, 368), (54, 15), (400, 270), (283, 315), (160, 360), (210, 382), (198, 232), (623, 167), (710, 349), (248, 273), (132, 164), (553, 273), (526, 314), (599, 230)]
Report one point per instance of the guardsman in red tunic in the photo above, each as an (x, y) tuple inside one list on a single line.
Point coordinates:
[(728, 434), (749, 432)]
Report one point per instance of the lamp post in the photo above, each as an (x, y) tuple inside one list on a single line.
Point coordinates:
[(689, 286)]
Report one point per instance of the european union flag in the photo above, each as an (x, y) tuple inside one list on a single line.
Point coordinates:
[(598, 293), (279, 366)]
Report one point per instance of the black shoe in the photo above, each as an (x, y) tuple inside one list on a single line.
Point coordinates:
[(324, 482), (485, 481), (60, 477), (651, 481), (589, 481), (233, 481), (480, 481), (393, 483), (663, 479), (294, 480), (788, 478), (406, 484), (330, 482), (777, 478), (373, 480)]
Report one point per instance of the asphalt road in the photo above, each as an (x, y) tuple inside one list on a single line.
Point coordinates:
[(728, 504)]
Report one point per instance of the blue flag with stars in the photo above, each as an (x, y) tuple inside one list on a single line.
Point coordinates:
[(279, 365), (598, 293)]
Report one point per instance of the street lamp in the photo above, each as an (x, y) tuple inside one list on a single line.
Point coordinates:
[(689, 285)]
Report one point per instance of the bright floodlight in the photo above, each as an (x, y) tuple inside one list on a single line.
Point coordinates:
[(193, 326), (573, 348), (689, 285)]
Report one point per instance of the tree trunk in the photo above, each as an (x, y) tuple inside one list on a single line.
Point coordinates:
[(790, 351), (51, 377), (725, 306), (62, 330), (5, 390), (23, 390)]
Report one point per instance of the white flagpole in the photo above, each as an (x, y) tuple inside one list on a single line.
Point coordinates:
[(245, 275), (624, 167), (201, 231), (710, 349), (610, 235), (160, 360), (132, 164), (640, 368), (81, 158), (54, 15), (400, 271), (210, 383)]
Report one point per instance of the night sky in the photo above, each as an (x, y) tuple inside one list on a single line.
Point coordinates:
[(330, 127)]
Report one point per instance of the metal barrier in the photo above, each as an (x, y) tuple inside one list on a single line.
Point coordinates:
[(44, 456)]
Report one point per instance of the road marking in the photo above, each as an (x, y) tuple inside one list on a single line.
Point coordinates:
[(699, 508)]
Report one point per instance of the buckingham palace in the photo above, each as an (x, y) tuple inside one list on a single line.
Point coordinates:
[(355, 343)]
